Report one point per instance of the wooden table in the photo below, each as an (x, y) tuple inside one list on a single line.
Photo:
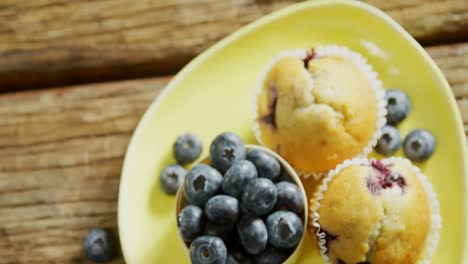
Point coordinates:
[(62, 148)]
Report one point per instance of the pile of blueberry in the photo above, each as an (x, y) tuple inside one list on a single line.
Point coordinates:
[(242, 208), (418, 145), (186, 149)]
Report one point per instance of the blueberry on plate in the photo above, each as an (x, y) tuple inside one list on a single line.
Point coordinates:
[(272, 256), (253, 234), (100, 245), (190, 222), (208, 250), (172, 176), (222, 209), (259, 196), (237, 176), (201, 183), (226, 149), (267, 166), (223, 231), (187, 148), (289, 197), (285, 229), (419, 145), (389, 142), (398, 106)]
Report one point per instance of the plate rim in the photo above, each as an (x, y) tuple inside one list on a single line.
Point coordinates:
[(276, 15)]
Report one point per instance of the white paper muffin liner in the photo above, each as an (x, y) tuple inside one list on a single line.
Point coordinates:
[(325, 51), (436, 220)]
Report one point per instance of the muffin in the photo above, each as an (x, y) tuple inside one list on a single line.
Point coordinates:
[(376, 212), (318, 108)]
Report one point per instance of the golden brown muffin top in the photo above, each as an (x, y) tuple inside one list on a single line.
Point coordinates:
[(317, 112), (375, 214)]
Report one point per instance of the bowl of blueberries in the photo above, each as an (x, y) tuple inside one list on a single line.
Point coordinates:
[(241, 204)]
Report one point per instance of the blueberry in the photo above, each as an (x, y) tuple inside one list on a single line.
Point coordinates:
[(242, 209), (398, 106), (419, 145), (208, 250), (201, 183), (171, 178), (237, 176), (267, 166), (272, 256), (223, 231), (190, 222), (238, 256), (100, 245), (285, 229), (187, 148), (389, 142), (284, 176), (222, 209), (259, 196), (245, 259), (225, 149), (289, 197), (253, 234)]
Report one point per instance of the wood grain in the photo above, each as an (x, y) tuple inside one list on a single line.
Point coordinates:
[(56, 42), (61, 153)]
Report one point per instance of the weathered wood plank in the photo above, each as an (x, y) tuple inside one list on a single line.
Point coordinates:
[(61, 153), (56, 42), (453, 61)]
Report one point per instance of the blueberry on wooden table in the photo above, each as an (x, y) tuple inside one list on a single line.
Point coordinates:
[(285, 229), (289, 197), (222, 209), (187, 148), (252, 233), (389, 142), (172, 176), (201, 183), (190, 221), (259, 196), (398, 106), (237, 176), (208, 250), (419, 145), (226, 149), (267, 166), (100, 245)]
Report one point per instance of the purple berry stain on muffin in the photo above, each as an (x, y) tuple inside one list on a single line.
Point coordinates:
[(270, 118), (384, 180), (310, 55), (379, 166)]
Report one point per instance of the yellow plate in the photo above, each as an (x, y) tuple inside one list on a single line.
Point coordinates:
[(213, 94)]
